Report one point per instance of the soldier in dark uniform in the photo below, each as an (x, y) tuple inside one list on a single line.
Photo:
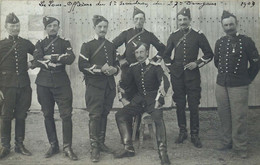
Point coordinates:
[(233, 52), (15, 90), (52, 54), (98, 63), (185, 74), (130, 37), (152, 86)]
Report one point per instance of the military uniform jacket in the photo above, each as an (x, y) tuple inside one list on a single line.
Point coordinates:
[(145, 37), (231, 58), (187, 51), (55, 75), (91, 64), (13, 70), (148, 77)]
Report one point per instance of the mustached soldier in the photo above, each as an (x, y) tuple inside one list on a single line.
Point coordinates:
[(98, 63), (53, 85)]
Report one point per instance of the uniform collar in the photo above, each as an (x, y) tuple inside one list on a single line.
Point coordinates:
[(138, 29), (13, 37), (233, 36), (146, 62), (96, 37), (51, 36), (186, 30)]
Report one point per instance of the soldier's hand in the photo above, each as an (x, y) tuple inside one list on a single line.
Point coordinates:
[(191, 66), (1, 96), (112, 70), (63, 55)]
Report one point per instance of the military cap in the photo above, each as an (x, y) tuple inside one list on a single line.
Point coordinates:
[(227, 14), (97, 19), (47, 20), (11, 18), (184, 11), (137, 11), (139, 44)]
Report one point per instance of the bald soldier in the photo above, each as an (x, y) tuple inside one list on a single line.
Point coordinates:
[(15, 90), (98, 63), (185, 74), (52, 54)]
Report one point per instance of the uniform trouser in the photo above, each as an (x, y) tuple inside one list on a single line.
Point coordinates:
[(124, 119), (47, 96), (99, 103), (16, 104), (232, 109), (183, 87)]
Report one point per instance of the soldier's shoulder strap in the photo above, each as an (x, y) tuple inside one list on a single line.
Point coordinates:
[(131, 39), (98, 49), (48, 46), (133, 64), (9, 51)]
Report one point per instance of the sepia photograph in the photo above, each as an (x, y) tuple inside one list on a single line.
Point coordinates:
[(129, 82)]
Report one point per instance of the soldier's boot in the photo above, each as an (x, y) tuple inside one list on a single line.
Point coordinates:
[(67, 138), (181, 117), (94, 129), (194, 126), (102, 135), (19, 137), (183, 135), (5, 126), (52, 137), (125, 129), (162, 142)]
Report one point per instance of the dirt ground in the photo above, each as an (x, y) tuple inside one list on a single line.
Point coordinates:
[(182, 154)]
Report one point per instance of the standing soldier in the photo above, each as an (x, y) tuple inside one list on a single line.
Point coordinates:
[(232, 54), (53, 85), (152, 86), (97, 61), (130, 37), (15, 90), (185, 74)]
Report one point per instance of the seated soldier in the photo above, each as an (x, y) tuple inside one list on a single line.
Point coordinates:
[(152, 86)]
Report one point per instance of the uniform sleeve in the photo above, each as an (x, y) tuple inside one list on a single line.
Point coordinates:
[(84, 63), (216, 56), (68, 57), (115, 61), (31, 47), (127, 79), (160, 47), (206, 49), (253, 58), (168, 51), (119, 40), (38, 55)]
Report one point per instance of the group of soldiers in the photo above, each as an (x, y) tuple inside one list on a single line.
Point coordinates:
[(142, 87)]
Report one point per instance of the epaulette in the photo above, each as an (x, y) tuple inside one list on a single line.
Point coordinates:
[(155, 63), (198, 31), (176, 31), (133, 64)]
